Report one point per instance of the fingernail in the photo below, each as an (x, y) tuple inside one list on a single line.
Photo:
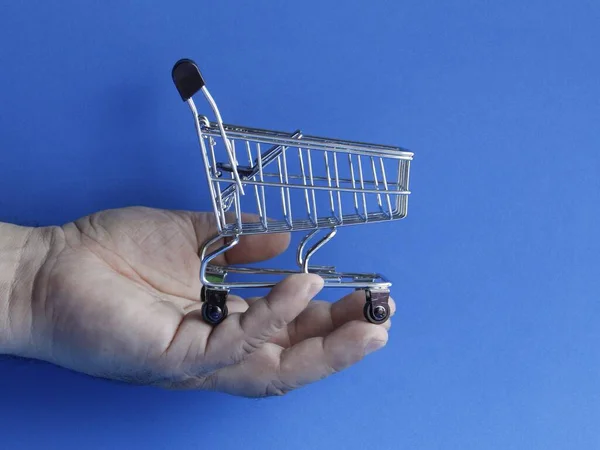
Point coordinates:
[(314, 288), (374, 345)]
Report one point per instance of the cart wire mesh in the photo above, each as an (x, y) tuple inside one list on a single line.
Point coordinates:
[(320, 183)]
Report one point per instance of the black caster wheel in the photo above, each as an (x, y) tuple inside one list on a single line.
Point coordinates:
[(376, 314), (214, 309), (213, 314)]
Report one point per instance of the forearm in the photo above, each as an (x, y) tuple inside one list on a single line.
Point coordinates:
[(22, 253)]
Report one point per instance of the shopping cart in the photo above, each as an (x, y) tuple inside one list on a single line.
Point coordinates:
[(319, 184)]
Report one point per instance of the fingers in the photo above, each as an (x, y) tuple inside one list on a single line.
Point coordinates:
[(317, 358), (256, 248), (240, 334), (251, 248), (275, 371), (321, 318)]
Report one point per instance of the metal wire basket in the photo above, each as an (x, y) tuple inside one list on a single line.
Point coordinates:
[(320, 185)]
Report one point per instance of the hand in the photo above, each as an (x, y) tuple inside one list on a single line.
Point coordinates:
[(118, 297)]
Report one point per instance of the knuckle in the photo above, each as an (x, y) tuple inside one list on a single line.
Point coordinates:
[(209, 383), (250, 345), (278, 389), (275, 320)]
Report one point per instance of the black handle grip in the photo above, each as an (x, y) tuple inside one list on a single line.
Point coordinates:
[(187, 78)]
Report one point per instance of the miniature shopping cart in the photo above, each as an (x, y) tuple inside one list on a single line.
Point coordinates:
[(318, 185)]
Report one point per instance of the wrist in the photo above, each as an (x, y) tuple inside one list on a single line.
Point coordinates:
[(23, 251)]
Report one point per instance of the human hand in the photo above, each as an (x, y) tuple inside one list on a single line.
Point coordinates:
[(117, 296)]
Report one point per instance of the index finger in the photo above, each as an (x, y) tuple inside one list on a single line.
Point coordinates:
[(251, 248)]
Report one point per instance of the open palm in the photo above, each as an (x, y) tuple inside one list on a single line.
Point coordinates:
[(118, 297)]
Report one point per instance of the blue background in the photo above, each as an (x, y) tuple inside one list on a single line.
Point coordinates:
[(496, 269)]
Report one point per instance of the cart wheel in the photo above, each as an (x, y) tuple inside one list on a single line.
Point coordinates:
[(214, 308), (213, 314), (376, 314)]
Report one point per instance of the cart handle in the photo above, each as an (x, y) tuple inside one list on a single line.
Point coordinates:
[(189, 80)]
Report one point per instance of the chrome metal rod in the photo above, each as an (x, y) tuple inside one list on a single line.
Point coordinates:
[(205, 260), (269, 156), (331, 279), (230, 152), (329, 189), (314, 142), (302, 245), (329, 236)]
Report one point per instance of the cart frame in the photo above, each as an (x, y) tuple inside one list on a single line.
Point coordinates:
[(350, 174)]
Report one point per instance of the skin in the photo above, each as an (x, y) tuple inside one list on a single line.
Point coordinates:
[(116, 295)]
